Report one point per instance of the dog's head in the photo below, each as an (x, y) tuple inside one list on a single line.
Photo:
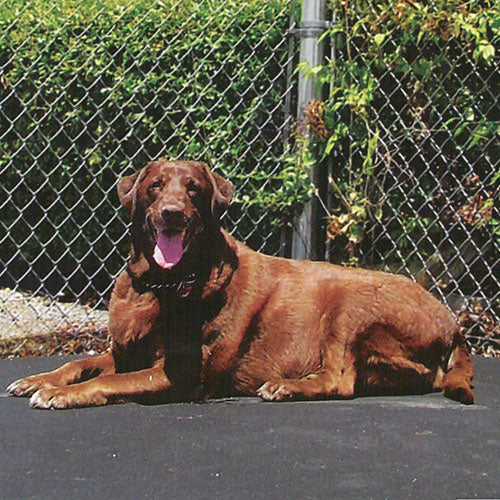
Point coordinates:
[(171, 204)]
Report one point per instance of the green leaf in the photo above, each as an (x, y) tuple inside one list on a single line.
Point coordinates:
[(356, 233), (496, 178), (379, 39), (485, 51), (331, 143)]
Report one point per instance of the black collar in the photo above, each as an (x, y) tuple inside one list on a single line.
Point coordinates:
[(163, 284)]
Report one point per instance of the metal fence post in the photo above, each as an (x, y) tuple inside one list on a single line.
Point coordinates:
[(311, 52)]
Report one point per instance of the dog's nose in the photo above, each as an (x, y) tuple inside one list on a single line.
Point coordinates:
[(172, 213)]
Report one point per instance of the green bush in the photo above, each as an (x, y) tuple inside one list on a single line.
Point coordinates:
[(90, 89)]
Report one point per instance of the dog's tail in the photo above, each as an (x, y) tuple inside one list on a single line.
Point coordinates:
[(457, 382)]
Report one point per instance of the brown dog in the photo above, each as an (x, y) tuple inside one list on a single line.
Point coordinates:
[(198, 314)]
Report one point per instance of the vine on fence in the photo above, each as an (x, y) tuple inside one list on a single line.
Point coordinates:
[(412, 132)]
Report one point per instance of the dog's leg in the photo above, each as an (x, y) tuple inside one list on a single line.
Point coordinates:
[(335, 380), (457, 381), (113, 388), (315, 386), (69, 373)]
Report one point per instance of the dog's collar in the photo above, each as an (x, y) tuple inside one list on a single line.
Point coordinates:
[(180, 286)]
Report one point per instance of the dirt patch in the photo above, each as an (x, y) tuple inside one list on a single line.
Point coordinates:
[(31, 325)]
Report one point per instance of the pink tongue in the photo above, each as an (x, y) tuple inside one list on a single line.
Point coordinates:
[(168, 250)]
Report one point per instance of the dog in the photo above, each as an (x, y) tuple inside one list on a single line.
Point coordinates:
[(198, 315)]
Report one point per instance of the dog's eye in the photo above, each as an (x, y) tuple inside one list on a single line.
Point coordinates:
[(155, 184), (193, 189)]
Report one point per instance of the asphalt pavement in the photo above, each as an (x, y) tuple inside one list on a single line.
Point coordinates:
[(384, 447)]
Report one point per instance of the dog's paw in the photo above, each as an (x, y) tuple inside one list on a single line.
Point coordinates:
[(278, 390), (60, 398), (464, 395), (28, 385)]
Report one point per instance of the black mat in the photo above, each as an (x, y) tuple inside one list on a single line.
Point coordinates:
[(401, 447)]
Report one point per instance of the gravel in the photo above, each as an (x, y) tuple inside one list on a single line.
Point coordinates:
[(32, 325)]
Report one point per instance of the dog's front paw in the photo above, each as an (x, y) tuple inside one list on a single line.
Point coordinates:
[(28, 385), (277, 390), (60, 398)]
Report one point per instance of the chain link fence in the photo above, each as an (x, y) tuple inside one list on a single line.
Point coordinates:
[(90, 91), (415, 174)]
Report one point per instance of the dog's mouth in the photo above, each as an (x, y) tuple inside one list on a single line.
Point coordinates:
[(168, 250)]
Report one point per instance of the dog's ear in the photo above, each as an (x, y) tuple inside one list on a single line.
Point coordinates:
[(223, 194), (127, 191)]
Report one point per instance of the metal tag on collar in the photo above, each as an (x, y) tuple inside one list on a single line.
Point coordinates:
[(186, 286), (184, 290)]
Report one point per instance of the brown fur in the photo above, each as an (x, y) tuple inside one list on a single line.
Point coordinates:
[(251, 324)]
